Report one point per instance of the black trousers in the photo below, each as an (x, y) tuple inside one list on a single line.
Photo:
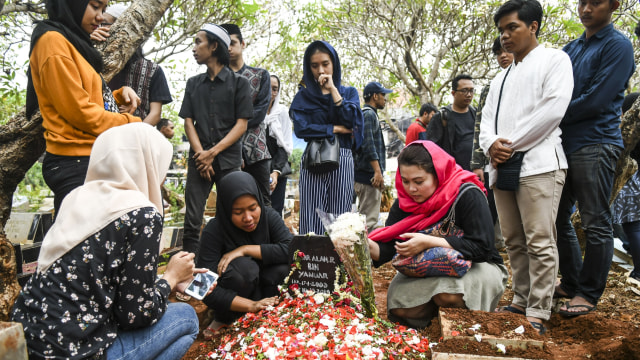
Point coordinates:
[(490, 199), (63, 174), (278, 195), (196, 193), (260, 172)]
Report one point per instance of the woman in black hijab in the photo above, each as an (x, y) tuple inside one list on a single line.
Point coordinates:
[(246, 244), (64, 82)]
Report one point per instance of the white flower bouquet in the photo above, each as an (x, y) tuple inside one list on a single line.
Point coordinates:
[(348, 233)]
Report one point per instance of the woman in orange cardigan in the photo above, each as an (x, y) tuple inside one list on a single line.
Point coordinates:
[(64, 82)]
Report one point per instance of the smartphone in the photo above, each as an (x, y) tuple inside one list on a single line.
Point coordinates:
[(200, 284)]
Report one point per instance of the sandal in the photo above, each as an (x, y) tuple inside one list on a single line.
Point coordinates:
[(539, 327), (182, 297), (509, 308), (213, 330), (567, 313)]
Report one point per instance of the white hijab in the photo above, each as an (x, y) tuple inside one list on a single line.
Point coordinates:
[(279, 125), (127, 166)]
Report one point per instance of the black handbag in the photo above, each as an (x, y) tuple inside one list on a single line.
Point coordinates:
[(286, 170), (322, 155), (508, 171)]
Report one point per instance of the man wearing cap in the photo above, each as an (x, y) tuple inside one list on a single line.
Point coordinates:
[(216, 108), (370, 158), (452, 127), (257, 160)]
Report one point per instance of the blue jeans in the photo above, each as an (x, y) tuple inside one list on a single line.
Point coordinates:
[(168, 339), (589, 182)]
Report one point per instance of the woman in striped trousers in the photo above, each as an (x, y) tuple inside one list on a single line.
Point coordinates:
[(323, 108)]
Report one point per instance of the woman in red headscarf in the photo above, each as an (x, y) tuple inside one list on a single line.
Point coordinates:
[(428, 182)]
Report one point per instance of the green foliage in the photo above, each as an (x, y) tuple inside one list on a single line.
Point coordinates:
[(33, 186), (175, 218), (164, 260), (12, 98), (294, 159)]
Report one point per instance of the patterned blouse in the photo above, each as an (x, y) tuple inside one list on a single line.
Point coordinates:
[(73, 309)]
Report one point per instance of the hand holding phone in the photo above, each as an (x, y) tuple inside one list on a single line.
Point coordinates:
[(201, 283)]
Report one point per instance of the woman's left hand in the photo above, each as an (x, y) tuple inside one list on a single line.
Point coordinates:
[(414, 243), (228, 258), (417, 242), (100, 34)]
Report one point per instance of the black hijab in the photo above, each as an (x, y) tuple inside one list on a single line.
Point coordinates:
[(230, 188), (65, 17)]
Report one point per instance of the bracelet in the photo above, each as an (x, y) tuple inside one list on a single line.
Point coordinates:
[(338, 102)]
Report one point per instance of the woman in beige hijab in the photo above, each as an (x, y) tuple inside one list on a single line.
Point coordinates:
[(96, 292)]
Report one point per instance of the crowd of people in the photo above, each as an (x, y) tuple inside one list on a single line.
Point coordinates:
[(544, 138)]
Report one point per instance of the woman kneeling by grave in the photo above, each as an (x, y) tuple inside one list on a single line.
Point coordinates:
[(96, 292), (246, 244), (443, 208)]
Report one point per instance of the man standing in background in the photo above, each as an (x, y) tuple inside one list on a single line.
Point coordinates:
[(452, 127), (602, 65), (215, 109), (370, 158), (479, 162), (419, 127), (257, 160)]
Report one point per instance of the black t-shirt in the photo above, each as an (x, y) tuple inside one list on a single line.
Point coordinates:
[(463, 144), (215, 106), (158, 87)]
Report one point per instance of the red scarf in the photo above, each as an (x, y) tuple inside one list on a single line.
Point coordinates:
[(450, 177)]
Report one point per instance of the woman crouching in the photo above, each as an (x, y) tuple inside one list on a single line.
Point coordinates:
[(428, 182), (247, 245)]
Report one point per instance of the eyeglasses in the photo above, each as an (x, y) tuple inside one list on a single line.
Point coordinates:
[(466, 91)]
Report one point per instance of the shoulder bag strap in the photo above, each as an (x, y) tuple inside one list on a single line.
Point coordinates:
[(450, 220), (500, 97)]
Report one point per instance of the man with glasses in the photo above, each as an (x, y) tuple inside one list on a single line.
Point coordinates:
[(452, 127), (369, 160)]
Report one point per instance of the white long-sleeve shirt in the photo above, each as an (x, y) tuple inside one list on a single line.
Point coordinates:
[(535, 97)]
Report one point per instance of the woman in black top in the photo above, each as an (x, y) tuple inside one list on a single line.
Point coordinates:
[(428, 182), (247, 245)]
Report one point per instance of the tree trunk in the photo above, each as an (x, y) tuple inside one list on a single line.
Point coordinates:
[(22, 140), (625, 167)]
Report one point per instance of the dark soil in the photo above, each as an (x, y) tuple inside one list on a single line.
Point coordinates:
[(612, 332)]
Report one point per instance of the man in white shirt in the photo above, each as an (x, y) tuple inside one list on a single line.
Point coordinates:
[(528, 101)]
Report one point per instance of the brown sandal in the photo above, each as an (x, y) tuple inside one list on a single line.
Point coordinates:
[(182, 297), (211, 332)]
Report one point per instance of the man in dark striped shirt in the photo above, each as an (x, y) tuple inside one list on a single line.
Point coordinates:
[(370, 158)]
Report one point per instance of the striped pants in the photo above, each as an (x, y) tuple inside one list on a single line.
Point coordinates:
[(331, 192)]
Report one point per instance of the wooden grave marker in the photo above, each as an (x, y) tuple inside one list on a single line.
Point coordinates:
[(318, 267)]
